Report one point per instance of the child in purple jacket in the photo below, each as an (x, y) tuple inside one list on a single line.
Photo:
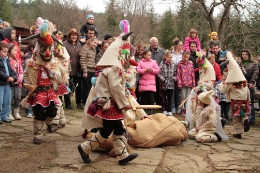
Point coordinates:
[(147, 69), (185, 77)]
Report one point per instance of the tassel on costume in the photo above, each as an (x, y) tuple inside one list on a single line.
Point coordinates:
[(242, 113)]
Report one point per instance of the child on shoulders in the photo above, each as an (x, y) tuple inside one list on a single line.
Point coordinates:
[(89, 24), (192, 36)]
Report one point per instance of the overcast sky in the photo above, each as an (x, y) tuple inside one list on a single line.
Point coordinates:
[(99, 5)]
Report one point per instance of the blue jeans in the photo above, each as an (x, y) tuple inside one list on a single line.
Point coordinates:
[(5, 101), (28, 111)]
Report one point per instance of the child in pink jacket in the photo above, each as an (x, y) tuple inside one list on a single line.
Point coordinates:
[(16, 89), (185, 77), (147, 69), (192, 37)]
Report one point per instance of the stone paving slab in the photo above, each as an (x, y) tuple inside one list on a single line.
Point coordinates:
[(56, 170), (257, 154), (10, 129), (241, 147), (69, 155), (247, 141), (219, 147), (71, 130), (147, 161), (23, 122), (233, 161), (184, 161)]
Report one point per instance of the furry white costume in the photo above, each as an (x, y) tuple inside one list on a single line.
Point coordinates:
[(206, 117), (46, 73), (206, 83)]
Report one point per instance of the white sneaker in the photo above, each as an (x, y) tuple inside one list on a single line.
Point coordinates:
[(169, 113), (179, 111), (11, 117), (165, 112), (29, 115), (174, 111)]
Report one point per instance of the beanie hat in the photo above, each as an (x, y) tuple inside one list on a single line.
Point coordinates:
[(1, 21), (90, 16), (107, 36), (206, 97)]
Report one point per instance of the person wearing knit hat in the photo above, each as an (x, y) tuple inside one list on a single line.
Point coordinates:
[(2, 35), (205, 130), (236, 88), (87, 25)]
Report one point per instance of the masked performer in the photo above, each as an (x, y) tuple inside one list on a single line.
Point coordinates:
[(43, 72), (236, 88)]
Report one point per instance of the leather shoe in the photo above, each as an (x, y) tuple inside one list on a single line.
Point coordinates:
[(37, 141), (61, 125), (219, 138), (84, 156), (79, 106), (246, 125), (51, 128), (129, 158), (223, 122), (237, 136), (69, 107)]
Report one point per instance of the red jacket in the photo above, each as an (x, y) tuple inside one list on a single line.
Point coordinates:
[(217, 71)]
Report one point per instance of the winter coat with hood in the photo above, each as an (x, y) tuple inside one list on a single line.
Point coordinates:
[(147, 80), (8, 41)]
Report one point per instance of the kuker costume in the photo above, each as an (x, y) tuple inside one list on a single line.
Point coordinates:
[(207, 77), (206, 119), (236, 88), (205, 83), (44, 99), (62, 56), (110, 93)]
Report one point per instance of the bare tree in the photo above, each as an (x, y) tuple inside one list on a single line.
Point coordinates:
[(136, 12), (232, 13)]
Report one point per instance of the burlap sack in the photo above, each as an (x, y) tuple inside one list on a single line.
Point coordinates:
[(161, 130)]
